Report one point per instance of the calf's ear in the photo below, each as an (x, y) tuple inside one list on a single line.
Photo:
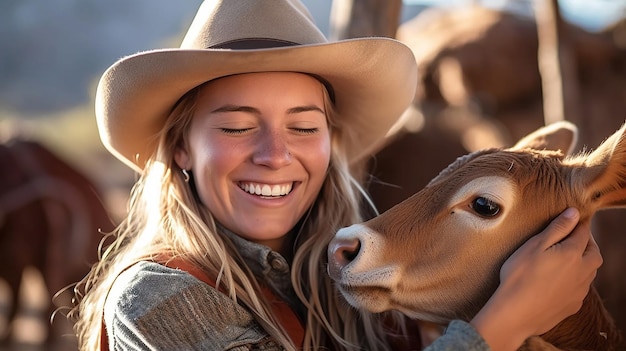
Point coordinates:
[(559, 136), (603, 171)]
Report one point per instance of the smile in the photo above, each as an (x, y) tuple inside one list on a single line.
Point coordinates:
[(266, 189)]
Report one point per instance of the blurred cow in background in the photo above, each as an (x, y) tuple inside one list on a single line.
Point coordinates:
[(51, 219)]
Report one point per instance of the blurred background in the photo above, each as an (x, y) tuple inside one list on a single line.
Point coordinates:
[(483, 83)]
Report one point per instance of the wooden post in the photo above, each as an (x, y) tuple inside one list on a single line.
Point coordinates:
[(557, 65), (364, 18)]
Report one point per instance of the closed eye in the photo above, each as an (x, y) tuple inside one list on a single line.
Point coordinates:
[(306, 130), (233, 131)]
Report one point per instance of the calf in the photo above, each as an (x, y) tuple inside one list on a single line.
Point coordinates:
[(437, 255)]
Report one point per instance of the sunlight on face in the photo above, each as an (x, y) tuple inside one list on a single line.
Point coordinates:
[(259, 149)]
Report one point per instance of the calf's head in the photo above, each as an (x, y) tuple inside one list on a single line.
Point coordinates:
[(437, 255)]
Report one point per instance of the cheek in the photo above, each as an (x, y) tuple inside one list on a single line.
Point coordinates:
[(211, 165), (319, 161), (208, 149)]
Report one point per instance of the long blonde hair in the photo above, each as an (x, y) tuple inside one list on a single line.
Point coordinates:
[(180, 226)]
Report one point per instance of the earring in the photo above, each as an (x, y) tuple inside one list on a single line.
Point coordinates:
[(186, 175)]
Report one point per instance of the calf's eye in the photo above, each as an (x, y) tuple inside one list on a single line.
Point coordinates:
[(485, 207)]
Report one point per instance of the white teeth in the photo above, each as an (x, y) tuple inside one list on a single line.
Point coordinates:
[(275, 190), (266, 189)]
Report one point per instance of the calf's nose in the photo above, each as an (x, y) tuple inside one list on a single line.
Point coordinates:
[(341, 251)]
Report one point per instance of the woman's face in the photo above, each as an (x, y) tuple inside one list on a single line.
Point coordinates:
[(259, 149)]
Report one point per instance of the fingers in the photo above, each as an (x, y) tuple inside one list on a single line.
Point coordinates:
[(582, 244), (592, 245), (592, 253), (561, 227)]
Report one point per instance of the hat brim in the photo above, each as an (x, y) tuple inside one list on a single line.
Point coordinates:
[(374, 81)]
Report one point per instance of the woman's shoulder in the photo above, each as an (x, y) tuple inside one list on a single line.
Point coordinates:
[(148, 285), (149, 301)]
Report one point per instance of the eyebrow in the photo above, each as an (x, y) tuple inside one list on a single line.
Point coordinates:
[(250, 109)]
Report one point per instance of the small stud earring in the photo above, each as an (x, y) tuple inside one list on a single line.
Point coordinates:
[(186, 175)]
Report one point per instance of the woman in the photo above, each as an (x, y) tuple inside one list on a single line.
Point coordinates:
[(245, 138)]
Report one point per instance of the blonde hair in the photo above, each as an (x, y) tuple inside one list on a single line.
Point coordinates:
[(180, 226)]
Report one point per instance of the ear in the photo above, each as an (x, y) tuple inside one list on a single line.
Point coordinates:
[(557, 136), (182, 158), (604, 172)]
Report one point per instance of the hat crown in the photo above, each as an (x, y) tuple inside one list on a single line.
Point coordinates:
[(264, 23)]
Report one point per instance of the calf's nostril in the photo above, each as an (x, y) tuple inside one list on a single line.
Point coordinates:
[(350, 253), (345, 250), (341, 252)]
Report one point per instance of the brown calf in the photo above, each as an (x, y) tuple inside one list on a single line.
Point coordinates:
[(437, 255)]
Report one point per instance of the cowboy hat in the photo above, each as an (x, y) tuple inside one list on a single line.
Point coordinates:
[(373, 80)]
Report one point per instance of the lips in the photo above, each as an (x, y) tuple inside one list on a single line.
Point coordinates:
[(275, 190)]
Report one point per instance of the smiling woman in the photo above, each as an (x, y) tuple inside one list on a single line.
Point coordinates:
[(252, 136), (245, 139)]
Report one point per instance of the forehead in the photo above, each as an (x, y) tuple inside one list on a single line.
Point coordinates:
[(520, 166)]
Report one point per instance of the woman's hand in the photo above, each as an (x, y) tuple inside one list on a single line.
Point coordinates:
[(542, 283)]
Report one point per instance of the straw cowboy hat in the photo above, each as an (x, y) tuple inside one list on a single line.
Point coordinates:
[(373, 80)]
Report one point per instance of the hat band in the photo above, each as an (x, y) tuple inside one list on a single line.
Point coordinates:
[(254, 43)]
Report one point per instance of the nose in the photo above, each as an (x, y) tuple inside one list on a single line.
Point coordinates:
[(341, 251), (272, 151)]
